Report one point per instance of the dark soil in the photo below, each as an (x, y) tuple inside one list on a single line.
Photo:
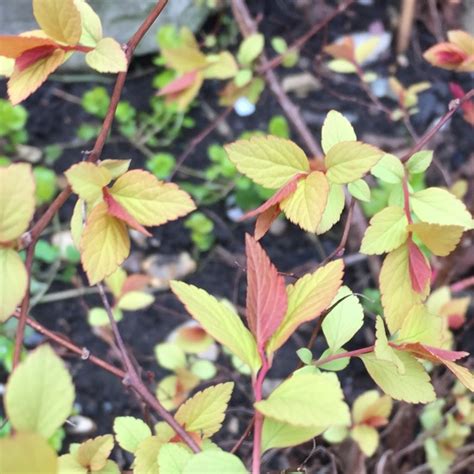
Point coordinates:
[(101, 396)]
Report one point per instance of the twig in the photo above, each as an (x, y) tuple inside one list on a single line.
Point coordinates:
[(84, 353), (298, 44), (406, 25), (240, 441), (133, 379), (31, 237), (199, 138), (452, 108), (340, 249), (247, 27)]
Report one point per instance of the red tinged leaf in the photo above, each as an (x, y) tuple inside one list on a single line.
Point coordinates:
[(282, 193), (117, 210), (267, 300), (178, 85), (420, 271), (456, 321), (265, 220), (14, 46), (33, 55), (433, 354)]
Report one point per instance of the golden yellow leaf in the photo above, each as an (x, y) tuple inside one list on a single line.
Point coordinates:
[(149, 201), (17, 200), (94, 452), (366, 437), (105, 244), (440, 239), (59, 19), (371, 406), (307, 299), (23, 83), (305, 207), (398, 296)]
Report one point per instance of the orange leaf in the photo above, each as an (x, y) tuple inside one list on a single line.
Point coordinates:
[(135, 283), (419, 268), (267, 300), (265, 220), (117, 210), (179, 84), (14, 46), (343, 50)]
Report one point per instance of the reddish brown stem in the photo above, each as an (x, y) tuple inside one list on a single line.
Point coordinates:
[(84, 353), (136, 383), (453, 106), (258, 418), (247, 27), (32, 236)]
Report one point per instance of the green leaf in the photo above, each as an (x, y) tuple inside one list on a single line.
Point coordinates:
[(130, 432), (276, 434), (349, 161), (214, 462), (170, 356), (305, 355), (334, 207), (135, 300), (87, 180), (205, 411), (421, 326), (382, 350), (278, 126), (173, 458), (107, 56), (243, 77), (366, 437), (250, 49), (438, 206), (27, 453), (386, 232), (268, 161), (91, 25), (389, 169), (13, 282), (360, 190), (334, 365), (413, 386), (308, 400), (336, 129), (398, 296), (17, 200), (340, 325), (146, 456), (45, 180), (220, 321), (419, 162), (40, 393)]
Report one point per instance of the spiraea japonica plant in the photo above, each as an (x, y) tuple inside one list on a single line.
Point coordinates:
[(412, 332)]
